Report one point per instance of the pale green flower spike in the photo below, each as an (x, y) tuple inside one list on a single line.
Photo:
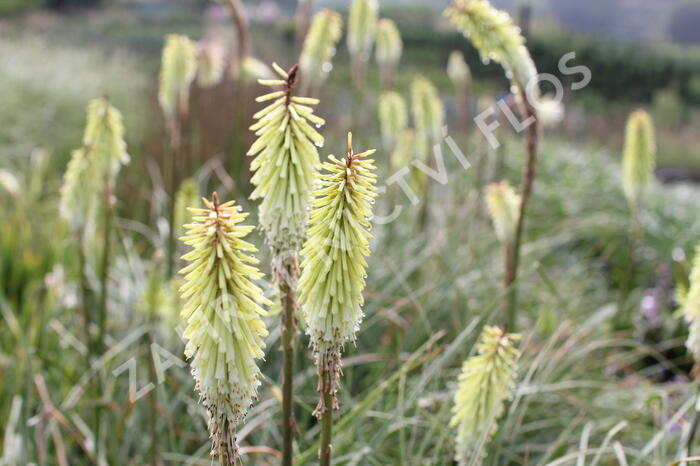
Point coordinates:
[(286, 159), (104, 136), (334, 255), (94, 165), (319, 46), (362, 28), (223, 309), (639, 157), (428, 114), (503, 205), (486, 381), (187, 195), (495, 36), (403, 153), (458, 70), (210, 64), (389, 44), (178, 69), (393, 117), (691, 308)]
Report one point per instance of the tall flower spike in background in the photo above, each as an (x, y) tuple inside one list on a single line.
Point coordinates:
[(639, 156), (496, 37), (389, 47), (211, 58), (362, 31), (91, 176), (333, 270), (285, 167), (428, 118), (485, 383), (319, 48), (178, 69), (393, 118), (223, 312), (460, 75)]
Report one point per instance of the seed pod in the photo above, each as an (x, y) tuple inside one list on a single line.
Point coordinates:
[(362, 28), (503, 205), (486, 381), (389, 44), (223, 309), (639, 156), (285, 161), (319, 46), (178, 69), (495, 36), (334, 256), (393, 117)]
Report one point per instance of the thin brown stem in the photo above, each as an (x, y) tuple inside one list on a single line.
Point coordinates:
[(240, 19), (301, 21), (532, 136)]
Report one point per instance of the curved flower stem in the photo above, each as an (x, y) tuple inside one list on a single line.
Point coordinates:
[(286, 279), (532, 136)]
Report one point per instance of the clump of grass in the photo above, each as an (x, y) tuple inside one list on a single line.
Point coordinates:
[(334, 270), (485, 383), (223, 312)]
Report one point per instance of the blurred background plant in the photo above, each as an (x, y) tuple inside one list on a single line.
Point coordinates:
[(583, 391)]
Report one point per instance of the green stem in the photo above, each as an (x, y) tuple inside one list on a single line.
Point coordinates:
[(634, 240), (326, 448), (287, 286), (102, 310), (532, 136)]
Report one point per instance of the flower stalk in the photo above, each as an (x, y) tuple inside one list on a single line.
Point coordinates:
[(333, 271), (223, 312), (286, 158), (496, 37)]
